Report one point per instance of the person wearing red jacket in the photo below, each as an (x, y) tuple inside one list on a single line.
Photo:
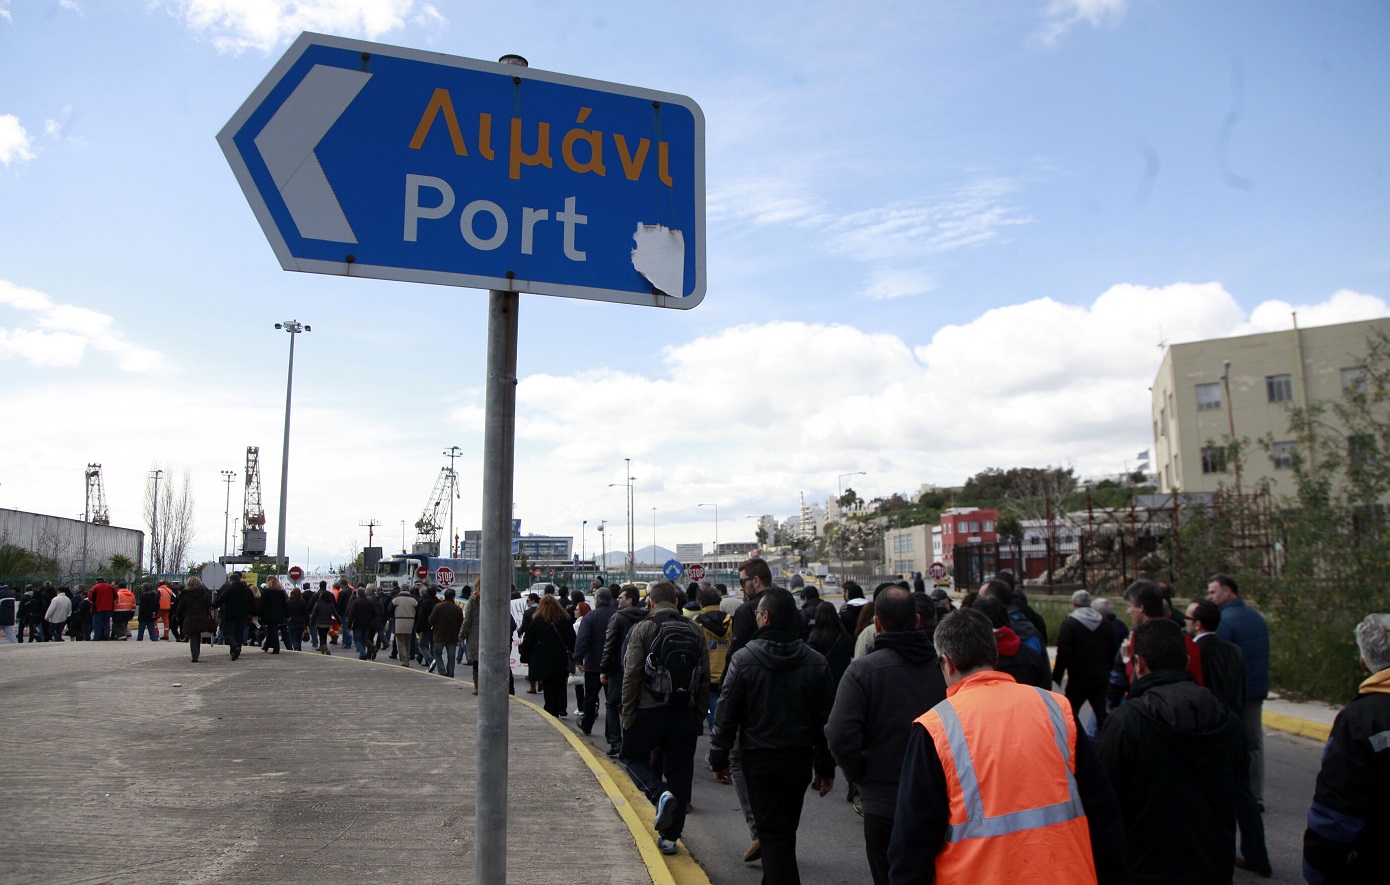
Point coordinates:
[(103, 598)]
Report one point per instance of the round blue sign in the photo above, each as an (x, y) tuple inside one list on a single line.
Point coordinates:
[(672, 570)]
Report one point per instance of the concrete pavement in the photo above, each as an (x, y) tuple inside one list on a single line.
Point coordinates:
[(125, 762)]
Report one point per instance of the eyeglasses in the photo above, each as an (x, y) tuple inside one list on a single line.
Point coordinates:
[(742, 581)]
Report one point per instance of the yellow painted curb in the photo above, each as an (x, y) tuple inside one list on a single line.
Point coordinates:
[(1317, 731)]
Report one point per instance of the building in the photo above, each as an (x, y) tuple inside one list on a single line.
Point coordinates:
[(62, 540), (966, 540), (690, 552), (1209, 392), (908, 549), (540, 549)]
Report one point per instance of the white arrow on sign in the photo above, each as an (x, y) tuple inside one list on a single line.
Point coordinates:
[(287, 145)]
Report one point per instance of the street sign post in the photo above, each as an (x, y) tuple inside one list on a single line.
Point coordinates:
[(367, 160), (672, 569), (696, 571), (444, 576), (296, 573)]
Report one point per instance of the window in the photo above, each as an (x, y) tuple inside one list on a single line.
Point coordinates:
[(974, 527), (1361, 448), (989, 526), (963, 527), (1214, 459), (1281, 453), (902, 543), (1208, 397), (1168, 476), (1352, 379), (1279, 388), (1162, 428)]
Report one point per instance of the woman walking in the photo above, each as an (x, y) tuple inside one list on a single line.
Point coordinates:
[(297, 614), (830, 639), (273, 610), (547, 649), (325, 612), (193, 614)]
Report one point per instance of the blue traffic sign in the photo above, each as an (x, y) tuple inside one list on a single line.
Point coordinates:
[(361, 159), (673, 570)]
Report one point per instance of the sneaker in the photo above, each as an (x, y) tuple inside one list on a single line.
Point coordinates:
[(755, 851), (665, 811), (667, 846), (614, 751)]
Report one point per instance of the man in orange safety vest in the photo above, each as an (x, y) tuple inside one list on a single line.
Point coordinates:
[(1044, 814)]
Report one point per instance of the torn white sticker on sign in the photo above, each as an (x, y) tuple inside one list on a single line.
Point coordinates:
[(660, 257)]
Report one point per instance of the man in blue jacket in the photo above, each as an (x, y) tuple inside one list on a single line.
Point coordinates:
[(1247, 628)]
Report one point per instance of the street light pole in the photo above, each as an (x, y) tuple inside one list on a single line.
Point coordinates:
[(453, 452), (716, 531), (582, 526), (840, 482), (631, 566), (227, 477), (154, 522), (654, 534), (294, 327)]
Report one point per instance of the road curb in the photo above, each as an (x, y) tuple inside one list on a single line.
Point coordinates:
[(1318, 731)]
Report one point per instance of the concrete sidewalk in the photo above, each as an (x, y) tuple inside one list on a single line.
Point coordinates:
[(124, 762)]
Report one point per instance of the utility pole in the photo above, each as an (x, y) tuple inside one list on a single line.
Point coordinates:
[(453, 452), (654, 559), (582, 526), (716, 530), (154, 523), (87, 511), (227, 477), (370, 525), (631, 566)]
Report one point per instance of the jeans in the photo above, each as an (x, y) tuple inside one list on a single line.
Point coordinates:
[(360, 634), (741, 789), (37, 629), (347, 637), (713, 705), (294, 640), (101, 625), (673, 731), (55, 631), (588, 712), (1252, 715), (234, 632), (140, 631), (777, 782), (444, 654), (10, 633), (425, 642)]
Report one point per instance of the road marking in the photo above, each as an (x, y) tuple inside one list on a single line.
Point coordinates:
[(1318, 731)]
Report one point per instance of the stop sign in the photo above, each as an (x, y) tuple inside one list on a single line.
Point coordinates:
[(444, 576), (296, 573), (422, 573), (937, 572), (697, 571)]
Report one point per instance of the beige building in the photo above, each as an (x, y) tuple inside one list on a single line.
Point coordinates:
[(1243, 387), (908, 549)]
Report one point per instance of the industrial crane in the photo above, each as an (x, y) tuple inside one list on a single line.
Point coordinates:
[(96, 496), (428, 526), (253, 514)]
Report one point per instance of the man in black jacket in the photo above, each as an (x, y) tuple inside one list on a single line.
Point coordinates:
[(776, 699), (754, 579), (611, 662), (1175, 756), (238, 605), (424, 633), (588, 654), (1085, 648), (1223, 674), (1348, 835), (879, 697), (1020, 661)]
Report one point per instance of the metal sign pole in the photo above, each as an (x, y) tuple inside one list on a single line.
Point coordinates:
[(499, 445)]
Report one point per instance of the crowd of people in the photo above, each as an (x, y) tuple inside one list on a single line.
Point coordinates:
[(962, 760)]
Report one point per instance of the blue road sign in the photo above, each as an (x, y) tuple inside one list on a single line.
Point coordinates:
[(361, 159), (673, 570)]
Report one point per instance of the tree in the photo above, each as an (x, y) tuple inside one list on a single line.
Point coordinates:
[(169, 516), (119, 564), (850, 500)]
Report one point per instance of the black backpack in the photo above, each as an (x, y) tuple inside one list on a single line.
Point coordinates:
[(672, 668)]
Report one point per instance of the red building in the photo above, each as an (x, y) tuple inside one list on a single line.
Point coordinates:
[(970, 544)]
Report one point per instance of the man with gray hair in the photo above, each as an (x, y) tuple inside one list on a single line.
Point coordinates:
[(1085, 649), (1044, 806), (1348, 835), (588, 652)]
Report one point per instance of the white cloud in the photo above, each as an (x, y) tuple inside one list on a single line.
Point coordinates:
[(72, 6), (886, 284), (5, 11), (236, 25), (15, 144), (58, 334), (1062, 15), (973, 215)]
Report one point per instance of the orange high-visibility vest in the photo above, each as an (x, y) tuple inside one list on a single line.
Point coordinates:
[(165, 597), (125, 600), (1009, 755)]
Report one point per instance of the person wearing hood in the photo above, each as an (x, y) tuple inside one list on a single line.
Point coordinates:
[(1176, 757), (776, 697), (849, 611), (193, 614), (879, 697), (1020, 661), (1085, 648), (1348, 835)]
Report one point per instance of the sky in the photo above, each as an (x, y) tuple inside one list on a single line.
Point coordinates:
[(941, 237)]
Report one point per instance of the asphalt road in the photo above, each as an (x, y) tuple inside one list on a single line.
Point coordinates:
[(830, 844)]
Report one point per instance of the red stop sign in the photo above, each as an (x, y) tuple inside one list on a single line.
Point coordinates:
[(296, 573), (444, 576), (697, 571), (937, 572), (422, 573)]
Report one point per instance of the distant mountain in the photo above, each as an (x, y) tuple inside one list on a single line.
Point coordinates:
[(647, 555)]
